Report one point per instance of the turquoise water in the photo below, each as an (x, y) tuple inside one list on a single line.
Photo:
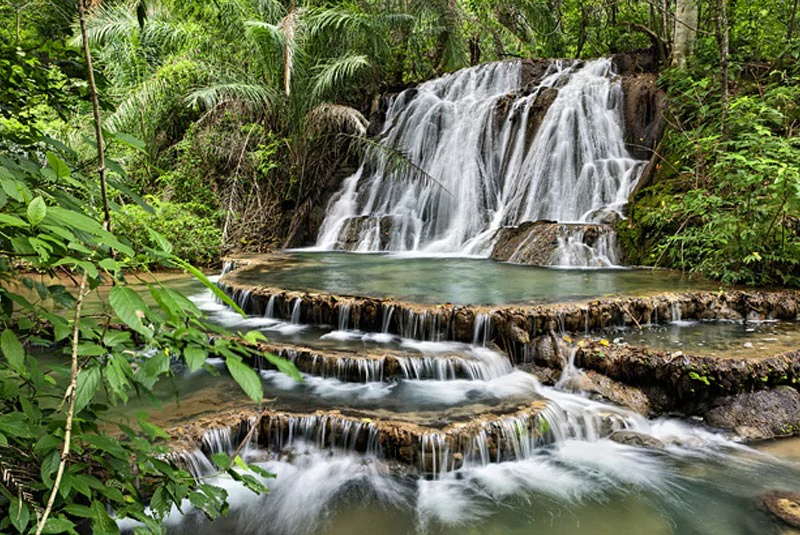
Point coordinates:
[(455, 279)]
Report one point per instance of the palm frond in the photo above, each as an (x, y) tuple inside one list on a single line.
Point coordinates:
[(337, 72), (254, 96), (271, 31), (18, 475), (270, 9), (335, 118), (145, 96), (390, 159), (111, 23)]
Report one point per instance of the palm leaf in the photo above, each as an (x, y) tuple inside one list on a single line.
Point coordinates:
[(390, 159), (335, 118), (337, 72), (254, 96)]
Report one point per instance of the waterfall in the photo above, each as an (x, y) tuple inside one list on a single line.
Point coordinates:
[(473, 132)]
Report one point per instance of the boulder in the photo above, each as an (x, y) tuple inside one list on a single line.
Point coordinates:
[(537, 243), (640, 440), (758, 415), (784, 505)]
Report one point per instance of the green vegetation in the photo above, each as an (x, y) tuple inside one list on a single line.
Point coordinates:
[(726, 197), (224, 122)]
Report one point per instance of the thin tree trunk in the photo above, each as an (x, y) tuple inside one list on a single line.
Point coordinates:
[(685, 35), (70, 396), (723, 36), (98, 125)]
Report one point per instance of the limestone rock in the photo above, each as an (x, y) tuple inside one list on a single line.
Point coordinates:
[(758, 415), (640, 440), (784, 505)]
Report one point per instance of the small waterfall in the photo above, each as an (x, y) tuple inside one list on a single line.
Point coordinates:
[(344, 316), (435, 455), (387, 312), (474, 131), (269, 312), (573, 250), (296, 310), (420, 325), (324, 431), (482, 329), (228, 266)]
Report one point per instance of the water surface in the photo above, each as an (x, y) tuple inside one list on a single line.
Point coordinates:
[(457, 280)]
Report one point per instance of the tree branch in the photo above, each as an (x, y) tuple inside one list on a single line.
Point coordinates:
[(71, 388)]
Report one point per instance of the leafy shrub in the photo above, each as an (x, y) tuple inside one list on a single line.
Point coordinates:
[(191, 228), (727, 200)]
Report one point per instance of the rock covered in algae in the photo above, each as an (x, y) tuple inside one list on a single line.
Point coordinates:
[(784, 505), (758, 415), (640, 440)]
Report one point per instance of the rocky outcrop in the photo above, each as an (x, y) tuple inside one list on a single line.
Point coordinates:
[(758, 415), (640, 440), (431, 449), (538, 243), (643, 111)]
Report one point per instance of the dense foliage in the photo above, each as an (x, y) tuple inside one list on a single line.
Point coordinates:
[(66, 461), (224, 116), (726, 199)]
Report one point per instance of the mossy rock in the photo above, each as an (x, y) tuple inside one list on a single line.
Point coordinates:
[(785, 505)]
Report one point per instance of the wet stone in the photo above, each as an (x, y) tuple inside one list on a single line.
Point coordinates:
[(784, 505), (640, 440)]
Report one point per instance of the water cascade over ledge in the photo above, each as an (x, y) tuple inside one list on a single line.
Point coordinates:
[(502, 153)]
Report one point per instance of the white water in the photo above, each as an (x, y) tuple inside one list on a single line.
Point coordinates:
[(489, 175), (701, 483)]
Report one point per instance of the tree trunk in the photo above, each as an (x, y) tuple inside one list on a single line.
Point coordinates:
[(685, 35), (98, 125), (723, 42)]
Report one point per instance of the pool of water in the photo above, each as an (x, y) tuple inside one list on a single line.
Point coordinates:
[(572, 488), (716, 338), (454, 279)]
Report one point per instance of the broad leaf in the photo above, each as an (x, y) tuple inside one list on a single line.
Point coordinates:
[(245, 377), (130, 308), (13, 350), (37, 210), (88, 386)]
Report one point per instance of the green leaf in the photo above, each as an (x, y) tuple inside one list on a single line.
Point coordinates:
[(58, 525), (11, 221), (16, 424), (81, 511), (19, 514), (13, 350), (88, 386), (245, 377), (116, 376), (195, 357), (102, 523), (130, 308), (221, 460), (49, 466), (162, 242), (58, 165), (129, 140), (37, 210), (284, 366), (199, 275)]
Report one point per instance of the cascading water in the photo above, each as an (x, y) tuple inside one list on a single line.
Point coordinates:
[(471, 131)]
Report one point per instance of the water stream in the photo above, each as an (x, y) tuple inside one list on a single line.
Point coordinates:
[(570, 479), (474, 132)]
